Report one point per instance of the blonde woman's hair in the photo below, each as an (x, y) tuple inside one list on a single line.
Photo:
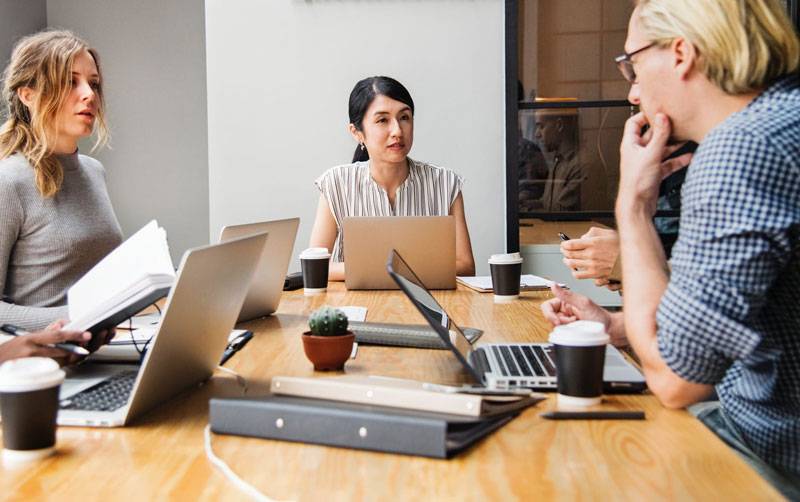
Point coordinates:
[(743, 45), (43, 62)]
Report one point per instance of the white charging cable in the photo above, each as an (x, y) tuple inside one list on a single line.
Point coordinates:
[(228, 472), (220, 464)]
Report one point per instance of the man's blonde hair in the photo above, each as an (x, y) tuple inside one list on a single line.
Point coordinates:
[(743, 45), (43, 62)]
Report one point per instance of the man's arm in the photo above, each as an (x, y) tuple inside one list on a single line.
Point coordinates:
[(644, 265)]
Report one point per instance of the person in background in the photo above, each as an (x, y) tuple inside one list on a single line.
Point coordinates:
[(557, 133), (383, 180), (57, 219), (716, 331)]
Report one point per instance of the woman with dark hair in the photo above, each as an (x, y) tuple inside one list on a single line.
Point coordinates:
[(383, 180)]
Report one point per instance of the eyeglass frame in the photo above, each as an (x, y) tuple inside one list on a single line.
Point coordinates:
[(624, 62)]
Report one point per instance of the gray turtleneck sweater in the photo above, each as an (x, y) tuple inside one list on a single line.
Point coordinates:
[(46, 245)]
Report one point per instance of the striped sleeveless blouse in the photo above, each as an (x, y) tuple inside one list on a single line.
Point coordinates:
[(350, 191)]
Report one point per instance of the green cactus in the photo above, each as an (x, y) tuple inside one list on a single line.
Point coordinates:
[(327, 321)]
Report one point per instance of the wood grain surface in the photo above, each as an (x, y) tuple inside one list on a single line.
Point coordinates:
[(669, 456)]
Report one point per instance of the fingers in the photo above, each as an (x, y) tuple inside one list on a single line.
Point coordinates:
[(56, 325), (574, 244), (49, 337), (577, 255), (661, 132), (598, 232), (670, 166), (568, 297), (550, 309), (633, 129)]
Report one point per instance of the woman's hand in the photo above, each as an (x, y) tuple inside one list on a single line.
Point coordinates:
[(568, 307), (593, 255), (40, 344)]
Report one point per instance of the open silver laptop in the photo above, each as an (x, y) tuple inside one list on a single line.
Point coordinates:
[(267, 284), (428, 242), (200, 311), (504, 365)]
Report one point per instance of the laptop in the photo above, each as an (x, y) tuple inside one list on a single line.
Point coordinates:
[(504, 365), (427, 242), (201, 309), (267, 284)]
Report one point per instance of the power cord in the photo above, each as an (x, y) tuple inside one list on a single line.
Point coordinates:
[(220, 464), (241, 484)]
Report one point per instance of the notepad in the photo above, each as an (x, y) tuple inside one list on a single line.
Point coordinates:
[(133, 276), (527, 282)]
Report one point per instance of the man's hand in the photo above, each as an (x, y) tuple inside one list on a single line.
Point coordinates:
[(642, 164), (569, 306), (39, 344), (593, 255)]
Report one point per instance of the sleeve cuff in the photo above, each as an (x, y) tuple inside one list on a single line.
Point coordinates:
[(698, 342)]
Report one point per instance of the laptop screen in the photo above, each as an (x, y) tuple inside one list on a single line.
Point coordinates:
[(426, 303)]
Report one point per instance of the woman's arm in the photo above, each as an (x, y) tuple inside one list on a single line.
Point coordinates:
[(465, 263), (28, 318), (323, 235)]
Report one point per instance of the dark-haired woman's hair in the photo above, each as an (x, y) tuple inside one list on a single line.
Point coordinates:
[(363, 94)]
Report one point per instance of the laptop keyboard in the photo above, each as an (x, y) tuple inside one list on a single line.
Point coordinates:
[(108, 395), (525, 360)]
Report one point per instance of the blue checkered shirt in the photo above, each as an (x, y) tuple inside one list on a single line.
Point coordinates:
[(731, 314)]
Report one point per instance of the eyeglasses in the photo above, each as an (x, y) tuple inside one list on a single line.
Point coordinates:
[(625, 64)]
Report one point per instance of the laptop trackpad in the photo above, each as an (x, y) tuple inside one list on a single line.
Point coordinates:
[(80, 378), (618, 369)]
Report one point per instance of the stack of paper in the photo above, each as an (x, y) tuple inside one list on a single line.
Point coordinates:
[(136, 274)]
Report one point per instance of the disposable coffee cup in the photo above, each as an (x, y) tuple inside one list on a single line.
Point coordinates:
[(29, 406), (314, 263), (580, 349), (506, 270)]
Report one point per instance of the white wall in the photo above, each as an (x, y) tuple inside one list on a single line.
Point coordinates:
[(18, 18), (279, 76), (153, 59)]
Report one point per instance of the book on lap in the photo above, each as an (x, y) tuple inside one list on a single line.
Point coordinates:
[(130, 278)]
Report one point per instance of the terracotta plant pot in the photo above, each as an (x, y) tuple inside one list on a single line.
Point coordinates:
[(328, 352)]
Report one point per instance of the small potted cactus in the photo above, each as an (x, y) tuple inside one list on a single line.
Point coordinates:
[(328, 343)]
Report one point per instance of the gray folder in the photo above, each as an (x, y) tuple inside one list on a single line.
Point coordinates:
[(351, 425)]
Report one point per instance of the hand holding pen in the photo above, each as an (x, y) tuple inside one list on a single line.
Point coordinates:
[(51, 342)]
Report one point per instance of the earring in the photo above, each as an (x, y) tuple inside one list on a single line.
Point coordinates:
[(363, 147)]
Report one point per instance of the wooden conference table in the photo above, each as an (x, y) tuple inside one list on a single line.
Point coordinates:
[(669, 456)]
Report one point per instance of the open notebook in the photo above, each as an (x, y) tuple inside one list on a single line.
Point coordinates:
[(136, 274)]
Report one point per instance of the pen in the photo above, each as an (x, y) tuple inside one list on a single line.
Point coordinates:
[(563, 236), (594, 415), (235, 346), (68, 347)]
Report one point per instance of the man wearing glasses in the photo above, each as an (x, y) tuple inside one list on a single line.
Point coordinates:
[(724, 316)]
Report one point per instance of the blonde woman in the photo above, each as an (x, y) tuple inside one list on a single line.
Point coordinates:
[(57, 220)]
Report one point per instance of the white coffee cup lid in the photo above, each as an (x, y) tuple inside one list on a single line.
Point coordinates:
[(315, 253), (505, 259), (580, 334), (30, 373)]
